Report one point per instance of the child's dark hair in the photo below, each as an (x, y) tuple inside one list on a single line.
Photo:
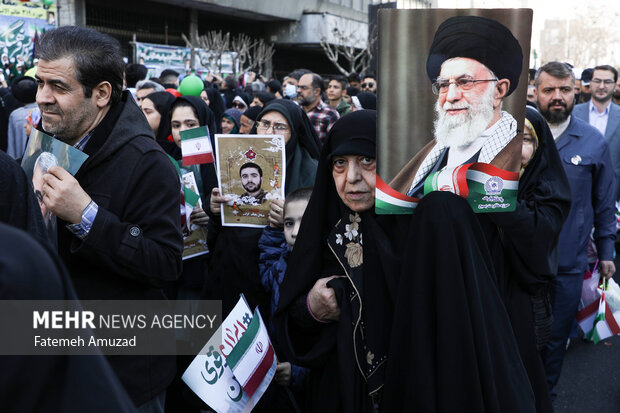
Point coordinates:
[(300, 194)]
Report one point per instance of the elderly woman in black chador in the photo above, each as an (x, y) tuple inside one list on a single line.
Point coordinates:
[(394, 313)]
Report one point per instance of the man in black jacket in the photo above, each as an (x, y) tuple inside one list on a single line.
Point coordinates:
[(118, 218)]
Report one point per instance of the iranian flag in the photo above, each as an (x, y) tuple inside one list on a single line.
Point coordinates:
[(605, 324), (191, 199), (390, 201), (486, 187), (252, 360), (196, 146)]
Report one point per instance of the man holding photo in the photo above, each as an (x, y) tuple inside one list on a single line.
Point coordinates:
[(118, 218)]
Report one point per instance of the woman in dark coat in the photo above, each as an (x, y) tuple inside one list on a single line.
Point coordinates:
[(234, 251), (417, 323)]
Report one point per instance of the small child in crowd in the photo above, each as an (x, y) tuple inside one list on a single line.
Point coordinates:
[(275, 246)]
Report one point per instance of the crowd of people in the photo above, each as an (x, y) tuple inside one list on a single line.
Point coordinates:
[(438, 311)]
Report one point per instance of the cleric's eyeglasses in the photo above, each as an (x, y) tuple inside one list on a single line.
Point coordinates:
[(441, 86)]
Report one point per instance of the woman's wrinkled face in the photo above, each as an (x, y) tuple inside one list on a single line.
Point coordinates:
[(227, 125), (183, 118), (355, 179), (152, 115)]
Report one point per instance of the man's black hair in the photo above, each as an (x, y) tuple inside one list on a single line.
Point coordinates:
[(134, 73), (97, 57), (251, 165), (352, 91), (353, 77), (340, 79), (264, 97), (609, 68)]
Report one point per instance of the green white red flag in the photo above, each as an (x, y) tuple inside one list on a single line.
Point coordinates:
[(196, 146), (253, 360), (486, 188)]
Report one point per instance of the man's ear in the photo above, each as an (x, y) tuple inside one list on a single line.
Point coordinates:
[(501, 89), (102, 93)]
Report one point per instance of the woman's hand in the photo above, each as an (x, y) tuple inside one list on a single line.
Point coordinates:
[(216, 201), (322, 300)]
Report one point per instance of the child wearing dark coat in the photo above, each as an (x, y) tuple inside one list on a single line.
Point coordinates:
[(275, 245)]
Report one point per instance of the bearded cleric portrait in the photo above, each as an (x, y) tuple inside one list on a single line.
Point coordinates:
[(467, 95)]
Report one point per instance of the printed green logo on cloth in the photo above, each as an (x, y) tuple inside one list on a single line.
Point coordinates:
[(486, 188)]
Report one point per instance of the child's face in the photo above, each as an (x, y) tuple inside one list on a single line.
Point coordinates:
[(527, 150), (292, 219)]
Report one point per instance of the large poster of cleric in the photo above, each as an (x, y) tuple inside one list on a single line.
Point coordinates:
[(20, 24), (458, 124), (251, 174)]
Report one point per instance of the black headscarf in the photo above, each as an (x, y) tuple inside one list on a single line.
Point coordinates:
[(368, 100), (543, 205), (524, 251), (302, 150), (162, 102), (338, 382), (217, 106)]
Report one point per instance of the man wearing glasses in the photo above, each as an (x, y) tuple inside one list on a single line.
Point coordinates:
[(321, 115), (602, 113), (470, 74), (369, 84)]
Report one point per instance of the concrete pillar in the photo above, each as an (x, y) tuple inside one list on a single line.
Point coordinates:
[(71, 12)]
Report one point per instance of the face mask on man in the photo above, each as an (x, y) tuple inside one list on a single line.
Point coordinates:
[(290, 91)]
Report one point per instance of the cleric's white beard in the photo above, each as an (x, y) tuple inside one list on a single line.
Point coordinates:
[(463, 129)]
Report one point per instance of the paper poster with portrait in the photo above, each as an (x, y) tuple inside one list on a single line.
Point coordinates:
[(251, 172), (413, 46), (42, 153), (194, 236)]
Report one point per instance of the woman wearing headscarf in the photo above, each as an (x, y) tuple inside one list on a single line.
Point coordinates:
[(156, 108), (528, 243), (394, 313), (302, 147), (346, 344), (521, 260), (231, 121), (216, 104), (235, 253), (363, 100), (189, 112)]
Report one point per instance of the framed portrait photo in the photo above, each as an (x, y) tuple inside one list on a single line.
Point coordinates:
[(251, 172)]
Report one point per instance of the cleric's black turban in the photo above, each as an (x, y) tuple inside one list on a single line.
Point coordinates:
[(485, 40)]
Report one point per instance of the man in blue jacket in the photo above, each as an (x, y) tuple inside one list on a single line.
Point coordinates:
[(587, 162)]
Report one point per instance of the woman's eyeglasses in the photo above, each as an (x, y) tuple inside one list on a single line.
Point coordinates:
[(276, 127)]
